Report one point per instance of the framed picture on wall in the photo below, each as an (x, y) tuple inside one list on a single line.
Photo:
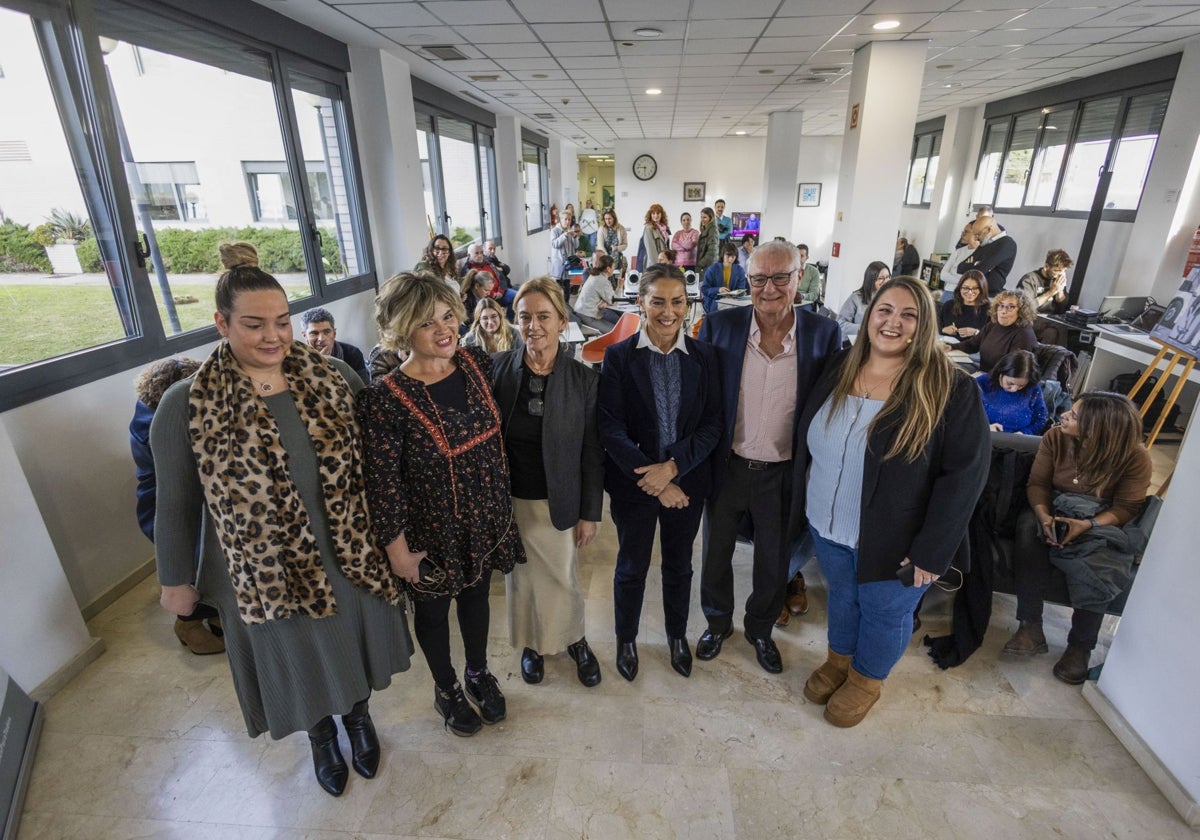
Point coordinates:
[(808, 195), (694, 190)]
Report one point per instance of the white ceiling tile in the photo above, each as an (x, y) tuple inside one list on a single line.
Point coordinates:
[(513, 50), (1065, 63), (807, 8), (1137, 15), (1015, 5), (503, 33), (1109, 50), (642, 10), (895, 7), (563, 49), (534, 64), (671, 47), (968, 21), (649, 61), (415, 36), (824, 25), (472, 12), (1054, 18), (1002, 38), (791, 44), (571, 31), (580, 10), (1082, 36), (1037, 52), (718, 47), (713, 60), (862, 25), (671, 29), (740, 28), (389, 14)]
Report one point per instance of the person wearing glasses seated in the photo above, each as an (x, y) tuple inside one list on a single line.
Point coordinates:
[(1012, 395), (1089, 478), (893, 455), (967, 311), (1009, 328), (438, 260), (660, 420), (852, 311), (724, 278), (771, 354), (547, 403)]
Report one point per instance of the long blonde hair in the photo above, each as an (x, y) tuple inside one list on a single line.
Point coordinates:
[(922, 389), (501, 339)]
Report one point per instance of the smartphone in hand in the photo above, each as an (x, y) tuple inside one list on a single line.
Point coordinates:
[(1061, 529), (906, 574)]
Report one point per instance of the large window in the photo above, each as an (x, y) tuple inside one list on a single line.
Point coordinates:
[(923, 166), (135, 134), (458, 171), (1049, 159), (535, 173)]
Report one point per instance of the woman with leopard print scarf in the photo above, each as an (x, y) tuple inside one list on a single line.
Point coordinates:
[(259, 460)]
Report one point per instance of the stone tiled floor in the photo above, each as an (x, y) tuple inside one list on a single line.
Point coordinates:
[(148, 742)]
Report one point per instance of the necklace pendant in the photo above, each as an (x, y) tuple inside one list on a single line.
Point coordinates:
[(1075, 480), (266, 387)]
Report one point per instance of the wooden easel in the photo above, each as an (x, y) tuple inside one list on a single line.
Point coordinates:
[(1177, 356)]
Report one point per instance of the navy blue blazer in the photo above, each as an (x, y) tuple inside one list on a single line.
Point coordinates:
[(919, 509), (629, 419), (817, 341)]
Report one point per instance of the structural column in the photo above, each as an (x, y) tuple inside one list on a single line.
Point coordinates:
[(781, 174), (885, 89)]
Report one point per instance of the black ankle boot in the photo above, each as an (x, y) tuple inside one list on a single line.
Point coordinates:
[(327, 757), (364, 743)]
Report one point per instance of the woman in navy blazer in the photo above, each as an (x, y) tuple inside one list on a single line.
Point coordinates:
[(894, 445), (658, 473)]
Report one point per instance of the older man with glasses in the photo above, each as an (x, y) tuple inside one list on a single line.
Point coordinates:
[(770, 355)]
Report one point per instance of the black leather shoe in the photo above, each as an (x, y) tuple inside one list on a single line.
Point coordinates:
[(533, 666), (328, 763), (627, 660), (364, 743), (460, 717), (767, 653), (586, 664), (681, 656), (709, 644), (484, 690)]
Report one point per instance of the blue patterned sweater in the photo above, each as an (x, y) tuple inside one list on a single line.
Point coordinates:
[(1024, 411)]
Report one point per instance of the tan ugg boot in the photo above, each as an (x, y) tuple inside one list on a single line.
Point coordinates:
[(850, 703), (827, 679), (197, 638)]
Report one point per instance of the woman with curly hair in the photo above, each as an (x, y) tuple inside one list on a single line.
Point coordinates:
[(1009, 328), (656, 236), (438, 260)]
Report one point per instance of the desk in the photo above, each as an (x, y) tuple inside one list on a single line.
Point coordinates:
[(1115, 353), (573, 335), (731, 301), (1075, 338)]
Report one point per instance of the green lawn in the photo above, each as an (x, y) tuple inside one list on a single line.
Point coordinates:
[(41, 322)]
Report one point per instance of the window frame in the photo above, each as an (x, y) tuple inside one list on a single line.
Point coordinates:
[(542, 147), (68, 33), (933, 129)]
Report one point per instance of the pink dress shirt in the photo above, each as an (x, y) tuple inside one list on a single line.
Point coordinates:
[(766, 400)]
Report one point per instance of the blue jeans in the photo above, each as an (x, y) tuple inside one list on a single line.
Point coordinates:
[(872, 622)]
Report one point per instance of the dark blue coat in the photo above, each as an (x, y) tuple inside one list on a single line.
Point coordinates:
[(629, 419), (714, 280), (143, 459)]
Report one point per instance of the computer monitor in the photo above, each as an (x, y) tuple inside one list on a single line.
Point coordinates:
[(1122, 307), (745, 223)]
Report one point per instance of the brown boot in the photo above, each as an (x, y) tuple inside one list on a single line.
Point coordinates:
[(784, 618), (797, 595), (850, 703), (1073, 667), (827, 679), (1028, 640), (195, 636)]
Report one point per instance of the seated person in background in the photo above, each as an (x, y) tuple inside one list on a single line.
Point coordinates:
[(321, 334), (1009, 328), (666, 257), (809, 289), (593, 306), (722, 278), (475, 287), (855, 307), (1089, 478), (490, 330), (966, 312), (908, 261), (489, 254), (1012, 396), (499, 286), (748, 243), (150, 386), (1047, 286)]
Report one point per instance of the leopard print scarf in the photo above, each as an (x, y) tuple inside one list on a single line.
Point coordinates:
[(264, 529)]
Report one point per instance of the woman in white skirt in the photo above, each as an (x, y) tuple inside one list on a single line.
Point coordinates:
[(547, 403)]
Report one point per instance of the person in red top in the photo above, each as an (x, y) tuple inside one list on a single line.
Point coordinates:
[(477, 260)]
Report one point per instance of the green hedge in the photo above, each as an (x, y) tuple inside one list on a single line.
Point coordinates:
[(195, 251), (20, 251)]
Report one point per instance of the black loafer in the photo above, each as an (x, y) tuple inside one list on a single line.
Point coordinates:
[(709, 644), (767, 654), (586, 664), (533, 666), (681, 656), (627, 660)]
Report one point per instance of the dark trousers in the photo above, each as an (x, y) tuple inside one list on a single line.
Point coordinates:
[(1031, 573), (431, 623), (766, 496), (636, 521)]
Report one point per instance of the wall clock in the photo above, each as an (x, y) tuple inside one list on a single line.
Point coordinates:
[(645, 167)]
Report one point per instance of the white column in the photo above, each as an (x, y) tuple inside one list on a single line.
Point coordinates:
[(781, 175), (512, 195), (386, 129), (1170, 208), (881, 113), (950, 202)]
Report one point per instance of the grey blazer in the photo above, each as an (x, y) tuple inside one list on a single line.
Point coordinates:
[(570, 438)]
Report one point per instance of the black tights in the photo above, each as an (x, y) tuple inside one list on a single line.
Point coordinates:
[(1031, 570), (431, 623)]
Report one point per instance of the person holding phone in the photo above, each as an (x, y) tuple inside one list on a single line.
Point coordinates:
[(893, 456), (1088, 479)]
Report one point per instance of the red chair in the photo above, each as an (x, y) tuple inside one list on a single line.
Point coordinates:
[(592, 352)]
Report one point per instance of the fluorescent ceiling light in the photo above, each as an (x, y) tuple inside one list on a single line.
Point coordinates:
[(653, 91), (886, 24), (647, 32)]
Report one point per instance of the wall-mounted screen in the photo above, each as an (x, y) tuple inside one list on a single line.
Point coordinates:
[(746, 223)]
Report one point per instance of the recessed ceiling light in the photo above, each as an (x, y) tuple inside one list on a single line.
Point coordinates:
[(886, 24), (766, 71), (628, 44), (541, 76), (739, 133), (653, 91), (648, 32), (950, 84), (944, 66)]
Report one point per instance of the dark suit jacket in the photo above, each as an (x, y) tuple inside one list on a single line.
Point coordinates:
[(995, 260), (352, 356), (629, 419), (817, 341), (918, 510), (570, 443)]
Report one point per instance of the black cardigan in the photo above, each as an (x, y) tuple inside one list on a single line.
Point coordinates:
[(917, 510)]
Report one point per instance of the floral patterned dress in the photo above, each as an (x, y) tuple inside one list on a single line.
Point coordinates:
[(440, 476)]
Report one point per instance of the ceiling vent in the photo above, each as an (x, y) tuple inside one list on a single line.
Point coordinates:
[(445, 52), (826, 71), (484, 77), (810, 80), (544, 115)]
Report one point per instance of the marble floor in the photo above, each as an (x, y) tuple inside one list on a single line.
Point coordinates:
[(149, 742)]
